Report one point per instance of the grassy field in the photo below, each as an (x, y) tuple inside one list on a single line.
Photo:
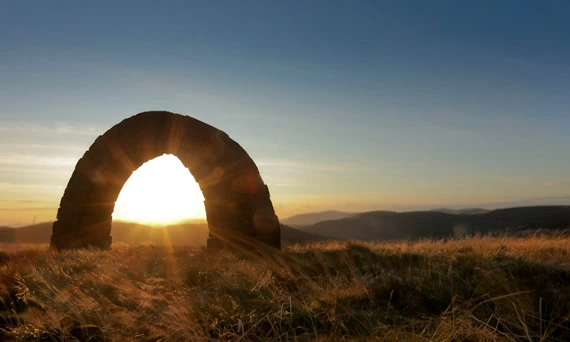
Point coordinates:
[(477, 289)]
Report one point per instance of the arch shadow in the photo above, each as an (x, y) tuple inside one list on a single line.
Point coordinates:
[(237, 202)]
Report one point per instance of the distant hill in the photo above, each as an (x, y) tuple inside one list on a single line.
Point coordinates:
[(388, 225), (308, 219), (312, 218), (6, 234), (188, 234), (467, 211), (37, 233), (374, 225)]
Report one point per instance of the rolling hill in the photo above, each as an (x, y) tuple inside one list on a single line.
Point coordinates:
[(312, 218), (368, 226), (307, 219), (466, 211), (389, 225)]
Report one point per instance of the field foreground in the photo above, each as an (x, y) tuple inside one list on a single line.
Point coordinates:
[(478, 289)]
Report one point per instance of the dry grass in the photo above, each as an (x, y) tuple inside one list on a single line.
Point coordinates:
[(478, 289)]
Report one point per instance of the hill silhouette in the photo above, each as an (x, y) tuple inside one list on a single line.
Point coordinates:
[(6, 234), (367, 226), (307, 219), (312, 218), (389, 225), (466, 211), (184, 234)]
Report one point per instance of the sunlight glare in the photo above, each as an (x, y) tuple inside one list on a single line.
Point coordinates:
[(161, 191)]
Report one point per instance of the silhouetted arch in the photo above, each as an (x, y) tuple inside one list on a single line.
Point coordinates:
[(238, 207)]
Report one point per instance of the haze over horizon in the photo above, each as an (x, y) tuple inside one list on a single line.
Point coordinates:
[(353, 107)]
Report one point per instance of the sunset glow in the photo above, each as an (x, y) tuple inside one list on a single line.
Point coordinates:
[(161, 191), (348, 106)]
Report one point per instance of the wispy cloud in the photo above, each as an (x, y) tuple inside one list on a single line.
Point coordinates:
[(56, 171), (28, 209), (12, 186), (34, 158), (28, 205), (50, 147), (56, 129), (23, 201), (42, 194), (25, 160)]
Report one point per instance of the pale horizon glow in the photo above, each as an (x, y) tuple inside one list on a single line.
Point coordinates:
[(162, 191)]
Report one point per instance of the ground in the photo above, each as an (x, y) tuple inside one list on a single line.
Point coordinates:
[(476, 289)]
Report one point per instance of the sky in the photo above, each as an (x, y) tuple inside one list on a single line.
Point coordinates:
[(347, 105)]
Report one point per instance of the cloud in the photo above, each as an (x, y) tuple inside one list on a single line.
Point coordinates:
[(26, 160), (34, 159), (56, 129), (22, 201), (12, 186), (51, 147), (28, 209), (32, 170), (47, 193)]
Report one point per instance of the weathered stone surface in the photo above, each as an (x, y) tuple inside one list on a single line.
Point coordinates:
[(238, 206)]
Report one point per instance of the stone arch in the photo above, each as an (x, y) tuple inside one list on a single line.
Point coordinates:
[(237, 202)]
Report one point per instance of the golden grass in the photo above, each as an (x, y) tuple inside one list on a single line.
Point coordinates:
[(477, 289)]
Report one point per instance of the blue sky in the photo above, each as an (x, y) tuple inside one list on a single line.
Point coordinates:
[(352, 105)]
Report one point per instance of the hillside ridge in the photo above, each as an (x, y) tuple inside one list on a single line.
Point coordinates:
[(391, 225)]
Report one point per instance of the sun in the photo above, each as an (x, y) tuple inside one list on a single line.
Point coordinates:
[(162, 191)]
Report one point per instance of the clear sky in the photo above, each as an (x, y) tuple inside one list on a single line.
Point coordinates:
[(350, 105)]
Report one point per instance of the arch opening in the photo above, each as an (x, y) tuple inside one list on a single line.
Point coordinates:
[(160, 192), (161, 203), (237, 203)]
